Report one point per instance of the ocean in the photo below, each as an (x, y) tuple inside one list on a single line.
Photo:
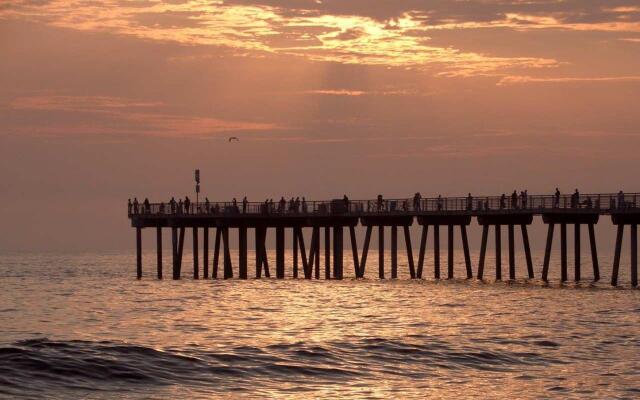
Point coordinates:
[(82, 326)]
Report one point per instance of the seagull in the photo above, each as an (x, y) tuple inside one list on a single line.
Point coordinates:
[(232, 138)]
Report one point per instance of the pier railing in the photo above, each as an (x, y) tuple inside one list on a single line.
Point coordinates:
[(602, 203)]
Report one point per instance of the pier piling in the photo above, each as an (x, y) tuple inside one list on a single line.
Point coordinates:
[(159, 250), (139, 253)]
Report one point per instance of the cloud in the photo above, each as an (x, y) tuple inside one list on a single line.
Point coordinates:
[(100, 115), (517, 80)]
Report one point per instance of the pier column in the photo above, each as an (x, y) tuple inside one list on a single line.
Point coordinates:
[(365, 250), (394, 252), (205, 253), (228, 267), (498, 252), (576, 252), (216, 254), (196, 272), (616, 257), (436, 251), (139, 253), (634, 255), (594, 253), (465, 248), (258, 246), (280, 252), (316, 250), (295, 252), (547, 253), (327, 252), (423, 250), (512, 252), (483, 251), (407, 242), (450, 251), (180, 249), (337, 252), (527, 250), (174, 248), (381, 252), (159, 250), (354, 250), (242, 252), (563, 252)]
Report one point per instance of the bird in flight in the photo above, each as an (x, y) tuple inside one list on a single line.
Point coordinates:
[(232, 138)]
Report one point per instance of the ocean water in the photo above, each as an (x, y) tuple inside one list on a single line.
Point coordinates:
[(82, 326)]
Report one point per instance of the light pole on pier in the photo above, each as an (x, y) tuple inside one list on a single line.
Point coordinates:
[(197, 186)]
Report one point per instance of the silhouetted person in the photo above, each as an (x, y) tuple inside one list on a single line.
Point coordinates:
[(297, 204), (147, 206), (129, 206), (345, 199), (207, 205), (244, 204), (556, 200), (304, 205), (379, 202), (439, 202), (172, 205), (179, 206), (187, 204), (621, 203), (469, 202), (135, 205), (283, 204), (525, 199), (514, 200), (503, 200), (575, 199)]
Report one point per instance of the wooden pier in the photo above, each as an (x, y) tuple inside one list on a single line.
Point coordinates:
[(331, 218)]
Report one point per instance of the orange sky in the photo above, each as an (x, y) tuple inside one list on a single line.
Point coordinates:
[(107, 100)]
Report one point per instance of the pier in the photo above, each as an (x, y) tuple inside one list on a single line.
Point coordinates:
[(333, 219)]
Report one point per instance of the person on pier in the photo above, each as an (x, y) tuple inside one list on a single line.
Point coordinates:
[(305, 208), (525, 198), (297, 205), (621, 203), (207, 205), (439, 202), (135, 205), (469, 202), (244, 204), (187, 204), (556, 200), (575, 199), (345, 199), (379, 202), (180, 206), (129, 206), (514, 200), (417, 199), (172, 205), (503, 201), (147, 206), (282, 205)]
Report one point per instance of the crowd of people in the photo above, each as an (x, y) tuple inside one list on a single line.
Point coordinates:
[(299, 205)]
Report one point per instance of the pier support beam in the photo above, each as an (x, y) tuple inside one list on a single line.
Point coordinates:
[(365, 251), (423, 250), (139, 253), (498, 252), (174, 251), (407, 242), (327, 252), (159, 250), (563, 252), (295, 252), (512, 252), (178, 273), (337, 252), (547, 253), (205, 253), (381, 252), (527, 250), (576, 252), (258, 245), (228, 267), (280, 252), (616, 257), (436, 251), (316, 250), (634, 255), (216, 254), (196, 272), (450, 252), (354, 250), (483, 251), (594, 253), (394, 252), (242, 252), (465, 248)]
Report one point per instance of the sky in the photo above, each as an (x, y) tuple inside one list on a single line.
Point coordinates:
[(101, 101)]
